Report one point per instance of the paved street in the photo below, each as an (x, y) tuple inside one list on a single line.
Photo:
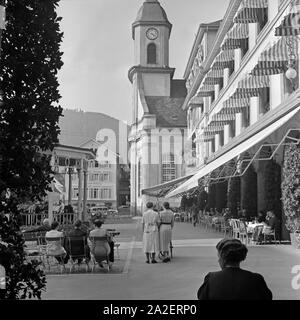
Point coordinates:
[(194, 256)]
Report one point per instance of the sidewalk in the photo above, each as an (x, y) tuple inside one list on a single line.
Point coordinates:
[(194, 256)]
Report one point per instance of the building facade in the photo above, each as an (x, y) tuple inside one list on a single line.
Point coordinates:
[(107, 176), (243, 103), (158, 127)]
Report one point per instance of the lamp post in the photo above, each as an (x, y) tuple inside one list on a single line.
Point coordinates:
[(291, 74)]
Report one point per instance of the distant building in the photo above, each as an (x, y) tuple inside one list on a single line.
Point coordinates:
[(107, 181), (159, 122)]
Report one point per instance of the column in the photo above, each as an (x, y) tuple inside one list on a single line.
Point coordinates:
[(85, 191), (70, 171), (226, 76), (217, 142), (254, 109), (210, 149), (79, 206), (217, 91), (237, 58), (276, 90), (238, 123), (227, 133), (272, 9), (206, 103), (253, 32)]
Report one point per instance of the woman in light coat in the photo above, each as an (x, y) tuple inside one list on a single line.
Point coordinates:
[(150, 223), (165, 230)]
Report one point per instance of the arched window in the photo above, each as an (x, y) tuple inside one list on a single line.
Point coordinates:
[(151, 53)]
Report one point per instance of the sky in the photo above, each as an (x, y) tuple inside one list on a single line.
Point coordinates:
[(98, 49)]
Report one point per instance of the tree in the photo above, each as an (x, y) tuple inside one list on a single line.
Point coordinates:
[(291, 187), (30, 60)]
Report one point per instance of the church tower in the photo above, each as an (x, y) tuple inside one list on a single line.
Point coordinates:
[(151, 33), (156, 104)]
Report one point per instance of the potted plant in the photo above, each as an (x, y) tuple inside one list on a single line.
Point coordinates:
[(291, 192)]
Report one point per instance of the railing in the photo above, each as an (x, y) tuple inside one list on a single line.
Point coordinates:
[(36, 219)]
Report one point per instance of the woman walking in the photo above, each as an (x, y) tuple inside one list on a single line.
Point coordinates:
[(165, 230), (150, 223)]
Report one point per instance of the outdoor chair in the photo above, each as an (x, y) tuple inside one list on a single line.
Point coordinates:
[(51, 254), (77, 249), (269, 236), (99, 251), (243, 234), (235, 228), (225, 228)]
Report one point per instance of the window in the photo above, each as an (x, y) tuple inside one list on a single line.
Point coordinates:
[(151, 53), (105, 193), (245, 46), (265, 101), (168, 167), (263, 19), (93, 193), (75, 192)]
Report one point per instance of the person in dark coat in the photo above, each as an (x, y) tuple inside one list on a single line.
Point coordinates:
[(79, 233), (232, 282)]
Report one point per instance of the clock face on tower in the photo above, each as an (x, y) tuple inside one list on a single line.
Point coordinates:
[(152, 33)]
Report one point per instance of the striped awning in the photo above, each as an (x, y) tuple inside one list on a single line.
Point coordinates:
[(206, 137), (235, 105), (213, 77), (205, 91), (251, 11), (195, 101), (213, 129), (274, 59), (290, 25), (251, 86), (236, 37), (223, 117), (224, 59)]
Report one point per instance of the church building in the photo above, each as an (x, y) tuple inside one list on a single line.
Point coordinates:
[(159, 122)]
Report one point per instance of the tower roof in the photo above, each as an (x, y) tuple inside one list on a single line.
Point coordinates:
[(151, 13)]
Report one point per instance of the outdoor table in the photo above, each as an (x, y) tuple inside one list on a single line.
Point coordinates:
[(251, 226)]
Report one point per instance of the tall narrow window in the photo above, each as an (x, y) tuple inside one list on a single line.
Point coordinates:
[(151, 53), (168, 167)]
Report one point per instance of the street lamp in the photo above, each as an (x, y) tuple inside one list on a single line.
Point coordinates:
[(291, 74)]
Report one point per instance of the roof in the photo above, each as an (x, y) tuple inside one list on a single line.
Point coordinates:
[(151, 13), (203, 27), (168, 110)]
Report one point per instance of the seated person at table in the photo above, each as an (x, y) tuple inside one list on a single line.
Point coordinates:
[(272, 224), (261, 217), (78, 232), (44, 227), (100, 232), (55, 248), (220, 285), (243, 215)]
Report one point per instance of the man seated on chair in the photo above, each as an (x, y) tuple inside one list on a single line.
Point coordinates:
[(272, 225), (100, 232), (55, 248), (79, 232)]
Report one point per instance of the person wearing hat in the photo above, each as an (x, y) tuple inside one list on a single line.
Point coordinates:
[(232, 282), (78, 232)]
